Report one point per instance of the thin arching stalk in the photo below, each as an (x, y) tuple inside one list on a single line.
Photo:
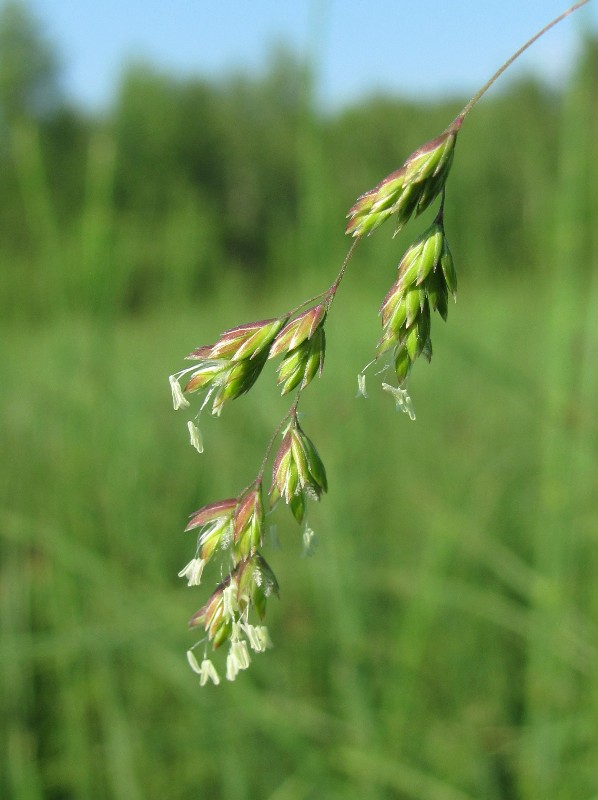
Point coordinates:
[(516, 55)]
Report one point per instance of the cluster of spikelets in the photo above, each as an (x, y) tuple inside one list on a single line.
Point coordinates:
[(229, 368), (409, 190), (426, 273), (232, 530), (426, 276)]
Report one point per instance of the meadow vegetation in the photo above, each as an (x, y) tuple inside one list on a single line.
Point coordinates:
[(442, 643)]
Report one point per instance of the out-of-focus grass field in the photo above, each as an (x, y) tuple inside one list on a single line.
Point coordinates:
[(441, 644)]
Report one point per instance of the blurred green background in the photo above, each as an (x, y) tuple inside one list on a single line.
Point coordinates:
[(442, 642)]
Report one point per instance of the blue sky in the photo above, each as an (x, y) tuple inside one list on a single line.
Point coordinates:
[(420, 48)]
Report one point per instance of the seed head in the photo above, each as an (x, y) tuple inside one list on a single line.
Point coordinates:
[(248, 522), (228, 368), (298, 330), (215, 524), (237, 380), (214, 615), (298, 471), (256, 583), (206, 374), (426, 274), (220, 510), (301, 365), (244, 341), (409, 190)]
